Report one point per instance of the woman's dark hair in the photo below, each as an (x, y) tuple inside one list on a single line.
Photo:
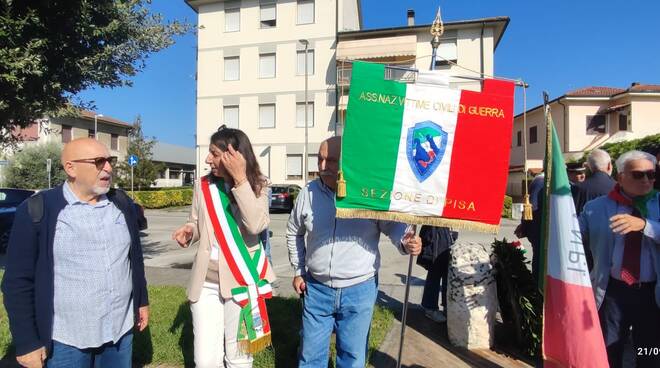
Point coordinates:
[(241, 143)]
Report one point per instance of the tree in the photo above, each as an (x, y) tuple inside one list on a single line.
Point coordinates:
[(52, 50), (146, 172), (27, 168)]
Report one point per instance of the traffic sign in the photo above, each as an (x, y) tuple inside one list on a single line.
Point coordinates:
[(132, 160)]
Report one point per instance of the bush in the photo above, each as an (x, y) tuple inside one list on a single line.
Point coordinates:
[(27, 168), (650, 144), (163, 198), (506, 209)]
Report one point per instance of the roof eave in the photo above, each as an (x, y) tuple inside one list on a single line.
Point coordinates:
[(447, 25)]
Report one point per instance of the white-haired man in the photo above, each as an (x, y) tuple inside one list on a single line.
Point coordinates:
[(599, 183), (622, 230)]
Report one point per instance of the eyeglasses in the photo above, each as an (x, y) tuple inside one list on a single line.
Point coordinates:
[(99, 161), (639, 175)]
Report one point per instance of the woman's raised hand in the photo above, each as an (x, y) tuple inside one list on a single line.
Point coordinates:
[(234, 162)]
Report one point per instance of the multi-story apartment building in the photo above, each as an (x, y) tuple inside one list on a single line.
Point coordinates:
[(585, 119), (251, 70), (251, 76), (113, 133)]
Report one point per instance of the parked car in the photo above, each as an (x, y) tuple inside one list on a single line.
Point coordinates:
[(9, 199), (283, 196)]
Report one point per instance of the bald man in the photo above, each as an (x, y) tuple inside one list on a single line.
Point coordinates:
[(336, 265), (74, 287)]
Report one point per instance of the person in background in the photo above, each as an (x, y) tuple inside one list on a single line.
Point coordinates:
[(657, 170), (599, 183), (576, 172), (264, 236), (436, 252)]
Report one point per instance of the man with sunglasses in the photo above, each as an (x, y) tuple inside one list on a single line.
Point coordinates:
[(74, 287), (622, 229)]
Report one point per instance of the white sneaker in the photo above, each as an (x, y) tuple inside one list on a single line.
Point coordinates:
[(435, 315)]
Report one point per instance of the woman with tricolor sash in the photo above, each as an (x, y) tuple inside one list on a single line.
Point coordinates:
[(231, 277)]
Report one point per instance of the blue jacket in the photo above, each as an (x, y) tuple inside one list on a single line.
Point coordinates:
[(598, 184), (28, 282), (596, 233)]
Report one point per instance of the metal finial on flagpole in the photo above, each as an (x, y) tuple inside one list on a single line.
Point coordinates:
[(437, 29)]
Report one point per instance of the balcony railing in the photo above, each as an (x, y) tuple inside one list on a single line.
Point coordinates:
[(396, 72)]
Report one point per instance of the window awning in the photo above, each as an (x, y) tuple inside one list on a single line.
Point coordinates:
[(373, 48), (614, 108)]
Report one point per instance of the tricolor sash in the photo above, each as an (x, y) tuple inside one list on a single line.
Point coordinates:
[(249, 272)]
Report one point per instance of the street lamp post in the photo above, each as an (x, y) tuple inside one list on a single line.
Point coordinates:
[(96, 116), (305, 150)]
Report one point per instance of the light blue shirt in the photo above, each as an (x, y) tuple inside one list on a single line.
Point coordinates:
[(337, 252), (92, 274)]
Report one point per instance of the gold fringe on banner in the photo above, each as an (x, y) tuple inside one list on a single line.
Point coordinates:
[(253, 347), (453, 224)]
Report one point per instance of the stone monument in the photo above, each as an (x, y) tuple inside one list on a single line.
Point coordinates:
[(472, 297)]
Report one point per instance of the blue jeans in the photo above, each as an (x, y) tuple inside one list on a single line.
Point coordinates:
[(106, 356), (348, 311)]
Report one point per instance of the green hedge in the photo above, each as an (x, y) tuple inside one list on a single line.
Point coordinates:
[(506, 209), (164, 198), (650, 144)]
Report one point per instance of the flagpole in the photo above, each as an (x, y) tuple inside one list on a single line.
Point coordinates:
[(437, 29), (405, 310), (544, 215)]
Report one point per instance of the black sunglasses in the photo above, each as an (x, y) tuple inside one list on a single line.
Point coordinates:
[(639, 175), (99, 161)]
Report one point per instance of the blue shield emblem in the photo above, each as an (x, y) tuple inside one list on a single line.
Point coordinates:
[(425, 146)]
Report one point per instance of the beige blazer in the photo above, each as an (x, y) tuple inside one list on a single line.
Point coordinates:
[(251, 214)]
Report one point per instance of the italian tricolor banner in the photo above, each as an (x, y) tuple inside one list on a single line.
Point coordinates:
[(572, 335), (425, 153)]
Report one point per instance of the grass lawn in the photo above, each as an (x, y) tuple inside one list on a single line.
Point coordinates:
[(168, 340)]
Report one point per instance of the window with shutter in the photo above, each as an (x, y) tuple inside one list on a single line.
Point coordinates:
[(267, 66), (300, 62), (267, 116), (232, 68), (268, 13), (447, 51), (312, 167), (305, 12), (66, 133), (294, 167), (300, 114), (230, 114), (232, 20)]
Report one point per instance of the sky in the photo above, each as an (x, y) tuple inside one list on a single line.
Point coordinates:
[(554, 46)]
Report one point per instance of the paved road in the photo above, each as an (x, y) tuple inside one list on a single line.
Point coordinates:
[(162, 252)]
